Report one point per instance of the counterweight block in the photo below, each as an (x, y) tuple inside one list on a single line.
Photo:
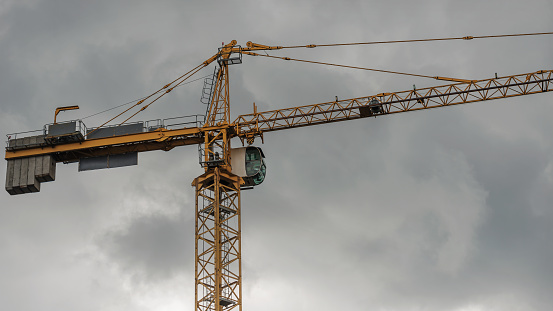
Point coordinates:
[(25, 175)]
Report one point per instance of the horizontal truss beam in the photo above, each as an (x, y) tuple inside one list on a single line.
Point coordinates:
[(249, 125), (389, 103), (161, 139)]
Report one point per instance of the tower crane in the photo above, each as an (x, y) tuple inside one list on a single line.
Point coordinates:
[(32, 156)]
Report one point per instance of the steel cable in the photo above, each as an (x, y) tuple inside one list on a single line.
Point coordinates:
[(417, 40)]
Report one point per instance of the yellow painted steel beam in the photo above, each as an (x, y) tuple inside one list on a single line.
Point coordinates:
[(74, 156), (158, 136), (218, 252), (60, 109), (389, 103), (246, 126)]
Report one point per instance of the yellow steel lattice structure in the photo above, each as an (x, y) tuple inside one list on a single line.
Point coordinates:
[(218, 243), (259, 122), (396, 102), (218, 232), (219, 112)]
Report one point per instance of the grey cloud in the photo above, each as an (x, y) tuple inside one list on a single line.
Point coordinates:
[(448, 209), (152, 247)]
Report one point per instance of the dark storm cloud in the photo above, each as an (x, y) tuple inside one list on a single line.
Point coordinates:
[(151, 247), (448, 209)]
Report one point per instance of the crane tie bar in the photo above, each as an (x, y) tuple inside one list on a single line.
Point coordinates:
[(363, 68), (418, 40)]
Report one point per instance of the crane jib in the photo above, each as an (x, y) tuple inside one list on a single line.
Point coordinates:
[(441, 96), (36, 155)]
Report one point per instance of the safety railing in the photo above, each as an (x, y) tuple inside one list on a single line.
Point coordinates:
[(53, 129), (17, 141), (63, 132)]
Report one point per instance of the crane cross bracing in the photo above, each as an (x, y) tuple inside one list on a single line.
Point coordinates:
[(389, 103), (259, 122)]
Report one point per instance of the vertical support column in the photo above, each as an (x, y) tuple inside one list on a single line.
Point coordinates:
[(219, 111), (218, 241)]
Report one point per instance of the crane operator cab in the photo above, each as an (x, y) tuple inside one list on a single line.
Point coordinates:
[(247, 162)]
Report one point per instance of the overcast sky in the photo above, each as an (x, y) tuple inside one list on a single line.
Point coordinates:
[(440, 210)]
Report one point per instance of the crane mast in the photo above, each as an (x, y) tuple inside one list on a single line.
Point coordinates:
[(218, 270)]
